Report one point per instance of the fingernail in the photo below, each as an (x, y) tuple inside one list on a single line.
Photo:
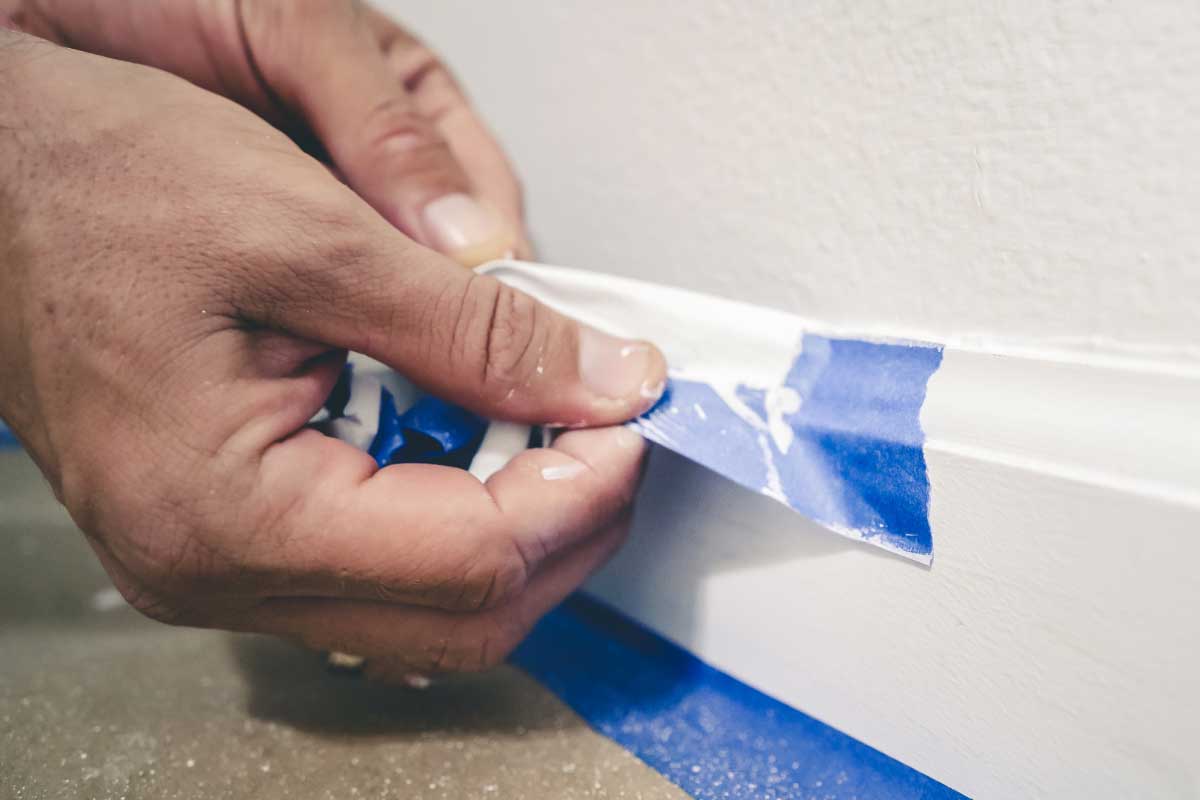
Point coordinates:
[(619, 369), (465, 229)]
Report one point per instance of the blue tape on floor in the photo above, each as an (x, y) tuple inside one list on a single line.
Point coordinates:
[(840, 441), (710, 734)]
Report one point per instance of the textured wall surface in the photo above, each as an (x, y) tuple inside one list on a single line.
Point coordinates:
[(940, 169), (1012, 177)]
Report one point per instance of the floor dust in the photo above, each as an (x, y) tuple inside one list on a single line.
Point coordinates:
[(98, 702)]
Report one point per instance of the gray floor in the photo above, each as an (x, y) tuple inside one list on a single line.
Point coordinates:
[(97, 702)]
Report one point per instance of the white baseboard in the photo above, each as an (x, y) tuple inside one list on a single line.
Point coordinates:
[(1052, 650)]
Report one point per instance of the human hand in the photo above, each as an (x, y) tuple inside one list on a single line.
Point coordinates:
[(341, 79), (178, 286)]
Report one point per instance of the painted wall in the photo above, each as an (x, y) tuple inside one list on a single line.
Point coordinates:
[(1008, 178), (944, 169)]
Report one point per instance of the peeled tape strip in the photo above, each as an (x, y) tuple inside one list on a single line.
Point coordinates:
[(829, 426), (838, 440)]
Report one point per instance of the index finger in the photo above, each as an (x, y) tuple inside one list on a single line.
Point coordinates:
[(440, 98)]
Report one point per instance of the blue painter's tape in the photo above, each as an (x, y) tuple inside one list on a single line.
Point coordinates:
[(389, 435), (710, 734), (839, 441), (431, 432), (6, 437)]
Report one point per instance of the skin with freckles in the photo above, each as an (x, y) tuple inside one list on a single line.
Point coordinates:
[(345, 81), (179, 283)]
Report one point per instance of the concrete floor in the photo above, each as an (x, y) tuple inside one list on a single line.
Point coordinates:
[(98, 702)]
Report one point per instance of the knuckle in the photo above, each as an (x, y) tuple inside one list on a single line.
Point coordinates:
[(154, 605), (322, 250), (180, 565), (512, 338), (394, 129), (493, 580), (311, 224), (442, 656), (494, 645), (415, 63), (157, 537), (184, 571), (478, 648)]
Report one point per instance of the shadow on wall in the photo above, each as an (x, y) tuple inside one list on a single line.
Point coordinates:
[(692, 526)]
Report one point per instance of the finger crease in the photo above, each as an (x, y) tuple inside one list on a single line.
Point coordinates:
[(439, 661), (252, 62), (483, 652), (419, 72), (488, 592)]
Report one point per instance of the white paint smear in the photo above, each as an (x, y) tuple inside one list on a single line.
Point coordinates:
[(561, 472)]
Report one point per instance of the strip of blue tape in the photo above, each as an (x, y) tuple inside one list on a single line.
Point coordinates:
[(711, 735), (840, 441)]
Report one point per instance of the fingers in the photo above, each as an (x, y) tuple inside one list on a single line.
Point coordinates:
[(464, 337), (398, 640), (438, 96), (331, 526), (330, 68)]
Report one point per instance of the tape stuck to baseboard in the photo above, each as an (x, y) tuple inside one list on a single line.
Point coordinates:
[(828, 426)]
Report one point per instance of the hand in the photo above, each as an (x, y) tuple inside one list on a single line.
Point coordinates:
[(340, 78), (178, 286)]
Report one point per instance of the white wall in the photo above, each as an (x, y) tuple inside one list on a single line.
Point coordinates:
[(943, 169), (1007, 178)]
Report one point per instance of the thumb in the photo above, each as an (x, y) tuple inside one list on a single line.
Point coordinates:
[(465, 337), (330, 69)]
